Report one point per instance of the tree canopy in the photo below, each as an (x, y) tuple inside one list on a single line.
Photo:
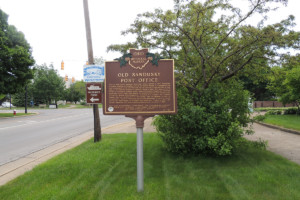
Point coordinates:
[(285, 81), (16, 60), (209, 46), (76, 92), (47, 85), (214, 46)]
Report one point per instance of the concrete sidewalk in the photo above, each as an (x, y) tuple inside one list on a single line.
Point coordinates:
[(279, 141), (16, 168)]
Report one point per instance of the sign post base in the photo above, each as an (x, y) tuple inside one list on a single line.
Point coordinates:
[(139, 120), (140, 160)]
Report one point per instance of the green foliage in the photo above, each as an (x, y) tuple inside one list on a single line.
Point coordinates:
[(107, 170), (47, 86), (15, 58), (270, 108), (286, 121), (258, 88), (274, 112), (291, 111), (259, 144), (18, 99), (259, 118), (83, 103), (212, 48), (2, 96), (286, 82), (206, 128), (208, 47), (75, 92)]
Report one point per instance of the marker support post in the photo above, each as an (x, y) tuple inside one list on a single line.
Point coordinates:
[(139, 120)]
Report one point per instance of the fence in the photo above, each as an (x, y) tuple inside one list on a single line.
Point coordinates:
[(260, 104)]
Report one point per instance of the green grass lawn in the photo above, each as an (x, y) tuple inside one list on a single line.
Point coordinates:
[(286, 121), (107, 170), (12, 115)]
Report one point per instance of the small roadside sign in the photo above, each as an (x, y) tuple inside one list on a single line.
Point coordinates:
[(93, 73), (93, 93)]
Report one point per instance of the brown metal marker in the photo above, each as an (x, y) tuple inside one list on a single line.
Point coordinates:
[(139, 85)]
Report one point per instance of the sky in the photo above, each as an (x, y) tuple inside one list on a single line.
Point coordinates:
[(55, 29)]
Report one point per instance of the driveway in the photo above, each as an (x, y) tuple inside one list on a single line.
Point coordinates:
[(279, 142)]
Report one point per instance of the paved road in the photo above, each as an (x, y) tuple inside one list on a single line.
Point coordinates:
[(21, 136)]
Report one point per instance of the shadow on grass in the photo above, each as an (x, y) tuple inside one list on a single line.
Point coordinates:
[(107, 170)]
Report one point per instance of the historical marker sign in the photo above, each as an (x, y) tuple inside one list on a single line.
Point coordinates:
[(93, 93), (139, 83)]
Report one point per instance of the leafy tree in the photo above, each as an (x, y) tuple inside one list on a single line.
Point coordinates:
[(259, 89), (208, 47), (285, 82), (74, 93), (47, 86), (292, 83), (80, 87), (2, 97), (18, 99), (15, 57), (212, 46)]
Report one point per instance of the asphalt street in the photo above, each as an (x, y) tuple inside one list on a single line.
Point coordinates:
[(21, 136)]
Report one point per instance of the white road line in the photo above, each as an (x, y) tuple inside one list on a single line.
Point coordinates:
[(35, 122)]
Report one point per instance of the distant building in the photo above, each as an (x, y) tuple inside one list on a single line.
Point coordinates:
[(69, 81)]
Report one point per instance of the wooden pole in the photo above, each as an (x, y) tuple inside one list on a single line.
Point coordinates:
[(97, 126)]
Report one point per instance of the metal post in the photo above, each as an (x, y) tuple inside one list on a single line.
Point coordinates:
[(140, 160), (10, 101), (139, 120), (26, 99), (97, 125)]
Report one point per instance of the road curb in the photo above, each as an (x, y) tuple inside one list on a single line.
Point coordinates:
[(279, 128)]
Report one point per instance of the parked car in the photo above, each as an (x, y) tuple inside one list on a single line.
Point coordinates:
[(6, 105)]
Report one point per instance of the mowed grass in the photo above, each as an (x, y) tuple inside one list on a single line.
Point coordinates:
[(107, 170), (12, 115), (286, 121)]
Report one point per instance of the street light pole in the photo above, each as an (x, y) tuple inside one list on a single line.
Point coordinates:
[(26, 99), (97, 126), (10, 101)]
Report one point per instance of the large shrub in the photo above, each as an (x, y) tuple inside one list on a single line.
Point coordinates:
[(212, 125), (291, 111)]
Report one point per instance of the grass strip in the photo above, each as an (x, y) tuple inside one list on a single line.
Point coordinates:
[(12, 115), (107, 170), (286, 121)]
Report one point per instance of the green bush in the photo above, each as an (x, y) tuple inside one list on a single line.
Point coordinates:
[(274, 112), (259, 118), (291, 111), (211, 127)]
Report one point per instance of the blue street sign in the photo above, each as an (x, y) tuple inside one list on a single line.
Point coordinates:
[(93, 73)]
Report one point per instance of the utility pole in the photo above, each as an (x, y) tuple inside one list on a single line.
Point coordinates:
[(97, 126)]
